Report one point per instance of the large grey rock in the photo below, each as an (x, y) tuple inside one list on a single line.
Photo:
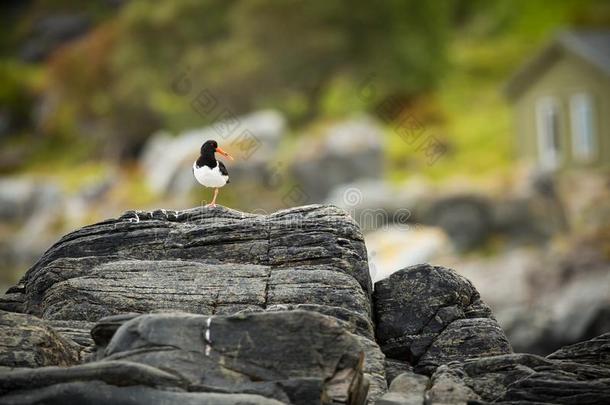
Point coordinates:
[(297, 357), (393, 368), (373, 369), (26, 341), (448, 388), (467, 219), (464, 338), (577, 374), (431, 315), (119, 373), (21, 198), (406, 389), (344, 152), (375, 203), (204, 261), (99, 393), (272, 308), (208, 261), (595, 352), (545, 300)]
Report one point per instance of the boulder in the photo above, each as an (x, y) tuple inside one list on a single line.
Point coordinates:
[(21, 198), (595, 352), (294, 356), (209, 262), (393, 368), (297, 357), (464, 338), (447, 387), (375, 203), (406, 389), (26, 341), (217, 306), (576, 374), (341, 153), (374, 371), (428, 315), (467, 219), (118, 373), (99, 393), (203, 261)]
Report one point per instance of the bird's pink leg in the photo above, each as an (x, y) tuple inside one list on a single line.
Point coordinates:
[(213, 203)]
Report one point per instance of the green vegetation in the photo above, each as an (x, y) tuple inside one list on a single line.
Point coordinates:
[(492, 41), (441, 63)]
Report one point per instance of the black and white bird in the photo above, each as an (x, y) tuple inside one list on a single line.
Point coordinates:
[(210, 172)]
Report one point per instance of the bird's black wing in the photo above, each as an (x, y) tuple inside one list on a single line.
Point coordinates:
[(223, 169)]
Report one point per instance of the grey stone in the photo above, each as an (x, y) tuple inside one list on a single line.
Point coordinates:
[(244, 308), (211, 262), (595, 352), (297, 357), (406, 389), (20, 198), (12, 302), (448, 388), (577, 374), (99, 393), (374, 369), (207, 261), (467, 219), (409, 382), (463, 339), (119, 373), (394, 367), (346, 151), (290, 356), (416, 309), (26, 341)]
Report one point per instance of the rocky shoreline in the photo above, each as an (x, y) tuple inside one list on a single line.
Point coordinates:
[(216, 306)]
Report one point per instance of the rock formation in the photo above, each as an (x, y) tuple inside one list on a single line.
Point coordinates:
[(215, 306)]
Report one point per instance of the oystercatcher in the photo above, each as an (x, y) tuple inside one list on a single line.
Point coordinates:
[(210, 172)]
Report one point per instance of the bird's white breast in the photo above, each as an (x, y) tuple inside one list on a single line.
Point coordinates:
[(209, 177)]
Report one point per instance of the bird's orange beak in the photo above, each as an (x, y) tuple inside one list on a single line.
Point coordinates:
[(222, 152)]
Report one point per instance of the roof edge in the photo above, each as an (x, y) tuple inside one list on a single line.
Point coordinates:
[(564, 41)]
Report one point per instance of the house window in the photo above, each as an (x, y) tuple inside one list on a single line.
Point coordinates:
[(583, 127), (547, 127)]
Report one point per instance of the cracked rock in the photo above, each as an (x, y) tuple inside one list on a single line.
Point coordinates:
[(428, 315)]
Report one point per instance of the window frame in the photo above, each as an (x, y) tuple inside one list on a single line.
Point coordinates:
[(583, 130), (549, 144)]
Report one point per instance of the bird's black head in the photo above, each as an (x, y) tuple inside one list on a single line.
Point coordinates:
[(209, 148)]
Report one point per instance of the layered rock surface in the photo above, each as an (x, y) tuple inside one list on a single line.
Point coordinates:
[(215, 262), (430, 315), (214, 306)]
